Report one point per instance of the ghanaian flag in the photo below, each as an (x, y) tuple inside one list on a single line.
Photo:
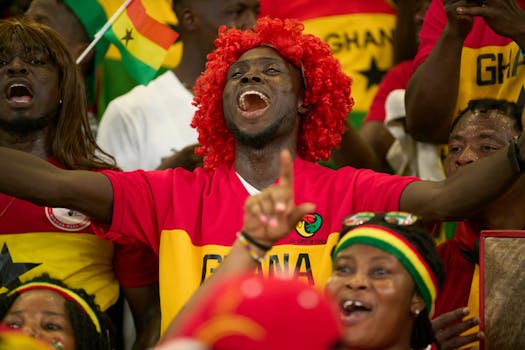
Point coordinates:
[(143, 41)]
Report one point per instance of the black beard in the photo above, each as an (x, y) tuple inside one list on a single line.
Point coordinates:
[(24, 126), (256, 141)]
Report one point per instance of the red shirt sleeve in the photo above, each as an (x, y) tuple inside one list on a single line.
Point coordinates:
[(136, 209)]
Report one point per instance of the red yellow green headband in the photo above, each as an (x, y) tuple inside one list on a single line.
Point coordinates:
[(64, 292), (393, 243)]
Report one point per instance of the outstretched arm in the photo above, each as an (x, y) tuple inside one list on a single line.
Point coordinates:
[(27, 177), (268, 217), (469, 189), (433, 88)]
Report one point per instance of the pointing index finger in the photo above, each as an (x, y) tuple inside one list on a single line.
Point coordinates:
[(286, 171)]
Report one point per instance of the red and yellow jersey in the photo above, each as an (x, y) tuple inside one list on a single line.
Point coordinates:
[(61, 242), (492, 66), (36, 240), (193, 263), (360, 34), (191, 220)]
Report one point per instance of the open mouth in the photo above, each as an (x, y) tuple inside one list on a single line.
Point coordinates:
[(19, 93), (352, 307), (252, 101)]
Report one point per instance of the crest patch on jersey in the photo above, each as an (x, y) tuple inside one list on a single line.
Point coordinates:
[(67, 219), (309, 225)]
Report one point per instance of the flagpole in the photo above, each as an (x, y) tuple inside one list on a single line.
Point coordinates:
[(102, 30)]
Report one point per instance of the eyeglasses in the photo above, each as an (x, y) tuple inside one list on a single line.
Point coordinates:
[(399, 218)]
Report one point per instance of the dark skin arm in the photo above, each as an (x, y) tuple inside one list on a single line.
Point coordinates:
[(431, 97), (355, 151), (466, 191), (25, 176), (405, 43), (376, 134), (462, 193), (145, 308)]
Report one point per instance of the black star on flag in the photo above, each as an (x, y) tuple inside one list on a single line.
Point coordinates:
[(128, 36), (9, 270), (373, 74)]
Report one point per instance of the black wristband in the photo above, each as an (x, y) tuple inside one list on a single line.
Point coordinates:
[(254, 242), (514, 156)]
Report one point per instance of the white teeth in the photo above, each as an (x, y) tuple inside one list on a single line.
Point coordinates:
[(242, 100), (348, 303)]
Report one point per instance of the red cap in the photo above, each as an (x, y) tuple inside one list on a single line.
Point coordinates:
[(252, 312)]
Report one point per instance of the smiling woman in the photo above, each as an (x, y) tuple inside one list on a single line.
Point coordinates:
[(48, 310), (385, 279)]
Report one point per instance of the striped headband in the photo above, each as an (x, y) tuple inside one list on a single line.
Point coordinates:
[(393, 243), (64, 292)]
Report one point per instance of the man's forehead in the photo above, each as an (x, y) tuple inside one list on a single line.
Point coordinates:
[(261, 52), (478, 119), (17, 47)]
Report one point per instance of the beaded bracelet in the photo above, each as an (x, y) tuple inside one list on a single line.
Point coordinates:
[(246, 244), (254, 242)]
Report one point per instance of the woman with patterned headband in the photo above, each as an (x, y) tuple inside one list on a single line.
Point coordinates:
[(46, 309), (386, 275)]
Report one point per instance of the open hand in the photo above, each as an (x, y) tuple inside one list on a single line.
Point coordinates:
[(459, 23), (505, 17), (448, 332)]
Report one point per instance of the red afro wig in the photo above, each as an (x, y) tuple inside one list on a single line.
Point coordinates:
[(327, 93)]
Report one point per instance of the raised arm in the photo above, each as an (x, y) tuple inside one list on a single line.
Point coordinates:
[(405, 36), (27, 177), (433, 88), (355, 151)]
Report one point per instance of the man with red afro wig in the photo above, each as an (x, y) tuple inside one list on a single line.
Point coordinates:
[(326, 103), (265, 90)]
